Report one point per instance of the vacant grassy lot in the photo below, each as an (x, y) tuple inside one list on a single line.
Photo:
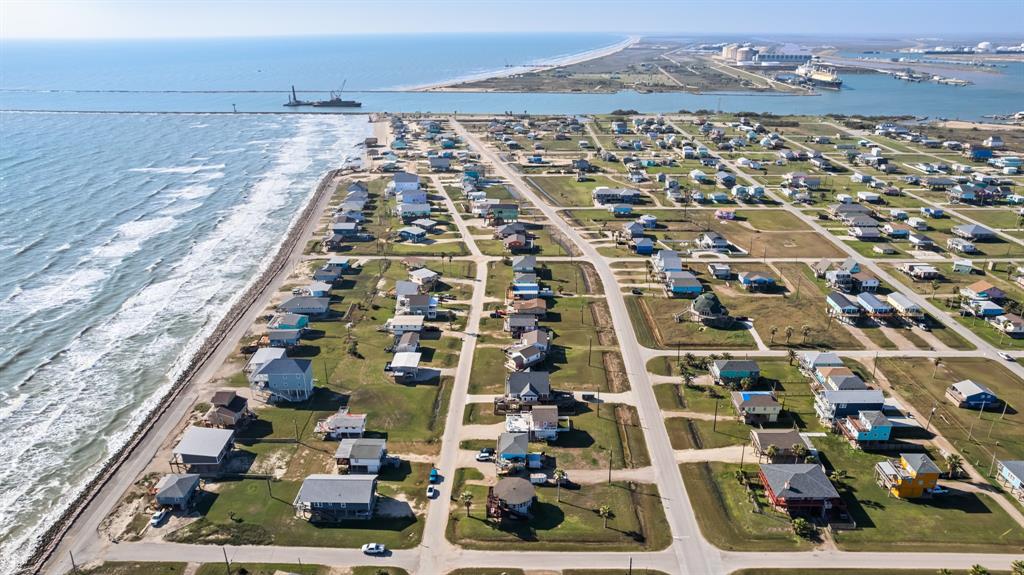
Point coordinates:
[(834, 571), (264, 569), (726, 516), (573, 524), (959, 521), (136, 568), (653, 319), (700, 434), (565, 191), (913, 379)]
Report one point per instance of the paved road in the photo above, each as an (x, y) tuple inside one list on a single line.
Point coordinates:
[(692, 552)]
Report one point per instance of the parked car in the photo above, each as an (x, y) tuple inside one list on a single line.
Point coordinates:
[(435, 476), (374, 548), (939, 490), (158, 517), (485, 454), (431, 492), (1006, 356), (637, 291)]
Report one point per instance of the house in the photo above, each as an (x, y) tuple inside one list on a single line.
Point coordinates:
[(918, 224), (865, 282), (973, 232), (327, 274), (424, 277), (227, 409), (840, 307), (517, 324), (522, 357), (725, 371), (799, 488), (667, 261), (1010, 474), (401, 324), (896, 231), (812, 360), (912, 475), (921, 241), (903, 306), (712, 241), (262, 356), (284, 379), (960, 245), (1009, 323), (517, 242), (177, 490), (405, 366), (755, 407), (439, 163), (720, 271), (511, 496), (971, 395), (409, 212), (605, 195), (408, 341), (620, 210), (283, 337), (963, 267), (633, 229), (522, 264), (643, 246), (404, 182), (839, 378), (294, 321), (782, 440), (833, 405), (873, 305), (503, 231), (417, 304), (361, 455), (756, 281), (499, 213), (866, 429), (305, 305), (537, 337), (682, 283), (412, 234), (512, 448), (536, 306), (202, 450), (405, 288), (708, 310), (920, 271), (528, 387), (412, 197), (982, 290), (648, 221), (327, 498), (541, 422), (342, 424)]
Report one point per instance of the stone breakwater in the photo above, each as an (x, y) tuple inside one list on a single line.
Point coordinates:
[(48, 541)]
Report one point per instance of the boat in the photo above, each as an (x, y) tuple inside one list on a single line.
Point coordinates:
[(335, 101), (819, 75), (294, 102)]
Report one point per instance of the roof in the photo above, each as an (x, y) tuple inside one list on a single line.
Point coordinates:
[(403, 287), (1016, 467), (822, 358), (327, 488), (204, 441), (854, 396), (745, 399), (266, 354), (361, 448), (513, 443), (514, 490), (875, 418), (423, 273), (177, 485), (783, 439), (969, 387), (409, 338), (736, 365), (920, 463), (406, 359), (407, 320), (538, 381), (798, 481), (707, 304), (285, 365)]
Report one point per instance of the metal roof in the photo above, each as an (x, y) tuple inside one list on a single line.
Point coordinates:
[(799, 481), (326, 488), (204, 441)]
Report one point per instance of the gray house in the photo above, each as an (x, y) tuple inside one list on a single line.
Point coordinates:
[(325, 498), (361, 455), (177, 490), (284, 379), (202, 450), (306, 305), (528, 387)]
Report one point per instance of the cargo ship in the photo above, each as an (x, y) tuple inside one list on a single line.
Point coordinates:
[(824, 76)]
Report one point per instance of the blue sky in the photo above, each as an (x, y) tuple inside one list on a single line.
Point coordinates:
[(213, 18)]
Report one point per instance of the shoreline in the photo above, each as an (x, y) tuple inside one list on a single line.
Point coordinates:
[(220, 341), (555, 62)]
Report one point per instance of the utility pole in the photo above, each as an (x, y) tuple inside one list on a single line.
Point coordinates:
[(929, 425), (609, 467), (590, 349), (743, 453), (992, 465), (74, 565), (714, 423), (227, 564)]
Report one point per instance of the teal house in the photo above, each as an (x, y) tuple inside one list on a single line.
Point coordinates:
[(733, 370)]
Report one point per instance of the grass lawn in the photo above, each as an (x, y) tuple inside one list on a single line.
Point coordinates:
[(725, 514), (700, 434), (565, 191), (242, 512), (573, 524), (486, 571), (957, 522), (656, 327), (912, 379), (263, 569), (834, 571), (481, 414)]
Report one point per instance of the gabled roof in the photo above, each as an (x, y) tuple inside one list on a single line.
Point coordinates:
[(736, 365), (969, 387), (361, 448), (798, 481), (329, 488), (538, 382), (285, 366), (920, 463)]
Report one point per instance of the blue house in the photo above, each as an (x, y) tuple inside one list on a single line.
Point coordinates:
[(932, 212), (832, 405), (867, 428), (971, 395), (512, 447), (283, 337), (412, 234), (620, 210), (980, 154), (683, 283), (286, 320), (755, 281), (643, 246), (730, 370), (1011, 476)]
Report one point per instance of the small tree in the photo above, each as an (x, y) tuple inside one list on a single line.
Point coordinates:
[(746, 383), (466, 498), (805, 331), (689, 359), (559, 476), (945, 571), (977, 570), (791, 356), (799, 451), (837, 475), (772, 452), (937, 362), (1017, 567), (605, 512), (789, 333), (955, 465), (935, 287), (771, 332), (802, 528)]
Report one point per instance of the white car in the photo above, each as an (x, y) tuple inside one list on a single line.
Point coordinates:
[(158, 516), (431, 492), (374, 548), (1006, 356)]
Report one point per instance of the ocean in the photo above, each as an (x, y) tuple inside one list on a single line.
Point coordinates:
[(124, 237)]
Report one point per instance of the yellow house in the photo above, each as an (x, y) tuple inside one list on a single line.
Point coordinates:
[(912, 475)]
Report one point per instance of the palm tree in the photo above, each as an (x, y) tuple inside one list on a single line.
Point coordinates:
[(977, 570), (837, 475), (746, 383), (937, 361), (791, 356), (945, 571), (559, 476), (789, 333), (799, 451), (806, 332), (955, 465), (774, 330), (605, 512), (935, 287), (466, 498), (726, 355), (772, 452), (1017, 567), (802, 527), (689, 358)]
